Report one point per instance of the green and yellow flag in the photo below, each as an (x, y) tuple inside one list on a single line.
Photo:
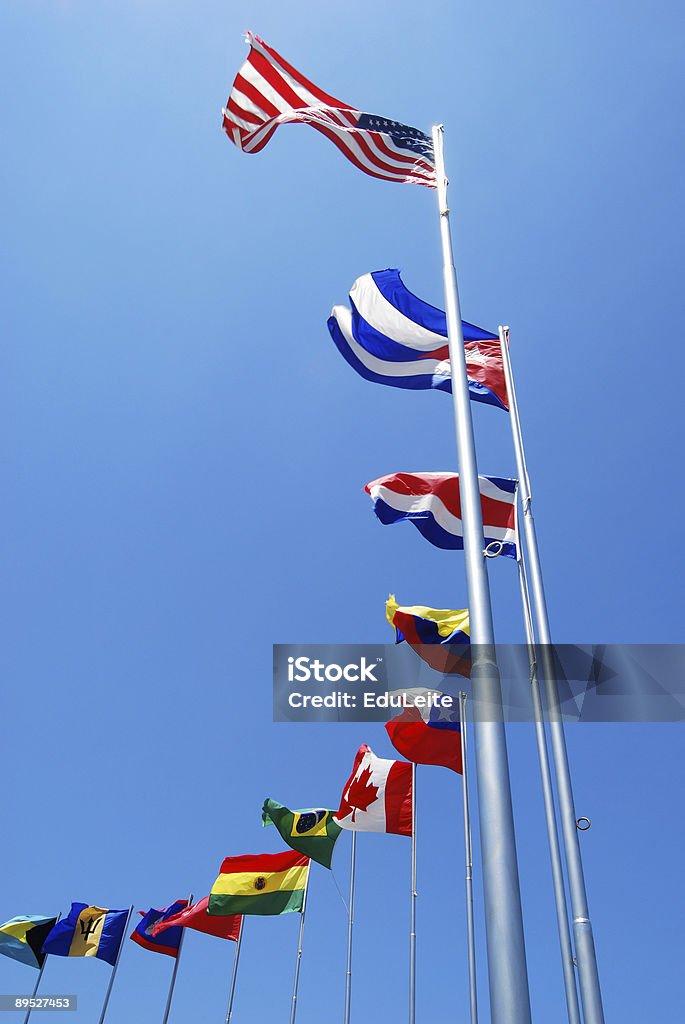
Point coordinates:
[(264, 884), (312, 832)]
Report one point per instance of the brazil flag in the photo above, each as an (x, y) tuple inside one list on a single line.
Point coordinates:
[(312, 832)]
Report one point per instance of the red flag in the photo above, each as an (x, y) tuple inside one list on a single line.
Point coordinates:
[(377, 795), (427, 736), (197, 918)]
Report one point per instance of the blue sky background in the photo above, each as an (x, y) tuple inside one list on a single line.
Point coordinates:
[(184, 453)]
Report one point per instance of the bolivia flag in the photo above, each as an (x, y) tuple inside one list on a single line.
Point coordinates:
[(266, 883)]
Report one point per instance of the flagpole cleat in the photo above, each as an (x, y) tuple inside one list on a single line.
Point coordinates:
[(493, 549)]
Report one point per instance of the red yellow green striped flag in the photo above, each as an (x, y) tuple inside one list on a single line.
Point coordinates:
[(265, 884)]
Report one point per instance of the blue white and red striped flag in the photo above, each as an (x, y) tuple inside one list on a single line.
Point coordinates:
[(432, 502), (268, 92), (389, 336)]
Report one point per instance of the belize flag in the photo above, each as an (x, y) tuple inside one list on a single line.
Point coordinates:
[(440, 636), (431, 501), (427, 734), (389, 336), (169, 942)]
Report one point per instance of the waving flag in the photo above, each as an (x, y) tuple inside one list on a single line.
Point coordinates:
[(389, 336), (22, 938), (431, 501), (440, 636), (377, 795), (88, 931), (265, 884), (426, 732), (268, 91), (144, 932), (312, 832), (196, 917)]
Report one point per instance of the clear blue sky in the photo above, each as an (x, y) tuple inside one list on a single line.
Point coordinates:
[(184, 451)]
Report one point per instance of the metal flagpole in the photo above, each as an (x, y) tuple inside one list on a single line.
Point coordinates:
[(567, 961), (412, 926), (470, 929), (293, 1007), (350, 925), (114, 969), (586, 957), (172, 983), (234, 974), (40, 975), (507, 972)]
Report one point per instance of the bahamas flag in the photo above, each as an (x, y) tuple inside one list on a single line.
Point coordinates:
[(312, 832), (22, 938), (441, 636), (265, 883), (88, 931)]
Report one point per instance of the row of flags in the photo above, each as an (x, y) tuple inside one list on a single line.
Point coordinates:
[(391, 337), (377, 797)]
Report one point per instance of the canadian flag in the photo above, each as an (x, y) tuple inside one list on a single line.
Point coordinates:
[(377, 795)]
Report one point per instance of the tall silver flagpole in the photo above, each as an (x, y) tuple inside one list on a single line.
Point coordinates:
[(567, 961), (350, 926), (412, 926), (293, 1006), (172, 983), (114, 969), (507, 971), (40, 975), (470, 929), (588, 974), (234, 974)]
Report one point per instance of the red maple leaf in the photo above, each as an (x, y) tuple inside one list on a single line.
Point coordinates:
[(359, 796)]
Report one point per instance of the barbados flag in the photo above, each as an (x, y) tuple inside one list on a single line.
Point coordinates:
[(88, 931), (441, 636), (22, 938)]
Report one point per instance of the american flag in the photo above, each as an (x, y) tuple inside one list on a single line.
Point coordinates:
[(268, 92)]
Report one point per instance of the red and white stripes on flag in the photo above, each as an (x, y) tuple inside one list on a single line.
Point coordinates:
[(377, 795), (268, 92)]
